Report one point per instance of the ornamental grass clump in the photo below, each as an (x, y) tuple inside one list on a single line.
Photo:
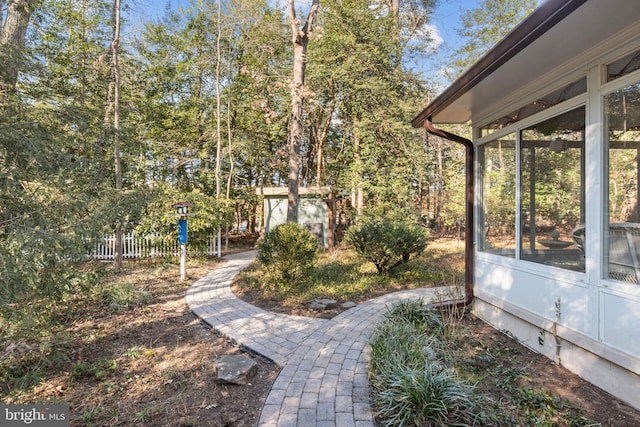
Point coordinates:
[(412, 385), (288, 251)]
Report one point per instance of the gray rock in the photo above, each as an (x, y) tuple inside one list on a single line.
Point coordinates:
[(321, 304), (235, 369), (348, 304)]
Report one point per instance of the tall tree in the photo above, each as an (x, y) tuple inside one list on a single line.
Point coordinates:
[(261, 96), (300, 38), (52, 199), (179, 104), (13, 33), (218, 98), (410, 26), (366, 99), (113, 107)]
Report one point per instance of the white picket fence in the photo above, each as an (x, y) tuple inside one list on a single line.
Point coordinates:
[(149, 246)]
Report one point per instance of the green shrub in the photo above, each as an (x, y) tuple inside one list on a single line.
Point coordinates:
[(387, 244), (288, 251)]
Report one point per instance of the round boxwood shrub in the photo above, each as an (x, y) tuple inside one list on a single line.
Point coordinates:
[(387, 244), (288, 251)]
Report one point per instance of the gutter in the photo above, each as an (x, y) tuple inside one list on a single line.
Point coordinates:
[(469, 206)]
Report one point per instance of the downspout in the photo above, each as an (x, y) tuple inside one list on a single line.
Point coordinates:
[(469, 205)]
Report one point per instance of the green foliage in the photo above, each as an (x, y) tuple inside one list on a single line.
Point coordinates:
[(50, 207), (122, 296), (419, 315), (387, 244), (343, 276), (54, 159), (209, 214), (540, 408), (23, 371), (411, 382), (98, 370), (288, 250), (424, 397), (507, 378), (421, 376), (139, 351), (355, 73)]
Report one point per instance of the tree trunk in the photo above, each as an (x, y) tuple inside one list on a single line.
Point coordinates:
[(13, 33), (218, 100), (296, 126), (300, 39), (357, 194), (394, 11), (115, 22), (231, 160), (321, 141)]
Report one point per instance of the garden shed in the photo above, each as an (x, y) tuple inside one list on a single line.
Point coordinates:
[(552, 186), (315, 210)]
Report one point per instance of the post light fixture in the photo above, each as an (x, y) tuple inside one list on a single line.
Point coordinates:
[(182, 208), (182, 211)]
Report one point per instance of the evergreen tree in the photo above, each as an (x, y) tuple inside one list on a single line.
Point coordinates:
[(48, 181), (368, 100)]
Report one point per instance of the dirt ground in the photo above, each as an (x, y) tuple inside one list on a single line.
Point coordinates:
[(152, 365), (493, 353)]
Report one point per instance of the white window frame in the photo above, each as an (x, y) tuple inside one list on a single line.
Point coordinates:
[(517, 262), (600, 240)]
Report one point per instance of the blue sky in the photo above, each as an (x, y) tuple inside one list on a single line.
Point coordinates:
[(445, 21)]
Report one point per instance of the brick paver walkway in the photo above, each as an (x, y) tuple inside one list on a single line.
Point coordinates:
[(323, 380)]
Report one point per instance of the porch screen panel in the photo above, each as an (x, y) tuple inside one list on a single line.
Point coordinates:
[(552, 190), (622, 240), (497, 160)]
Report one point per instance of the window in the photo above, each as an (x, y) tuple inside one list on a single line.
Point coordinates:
[(554, 98), (552, 190), (622, 126), (623, 66), (497, 160)]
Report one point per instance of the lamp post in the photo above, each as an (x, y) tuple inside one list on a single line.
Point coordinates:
[(182, 213)]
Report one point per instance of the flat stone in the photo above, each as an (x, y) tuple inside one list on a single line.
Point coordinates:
[(235, 369), (348, 304), (321, 304)]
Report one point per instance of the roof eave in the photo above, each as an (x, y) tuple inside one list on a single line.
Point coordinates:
[(548, 14)]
